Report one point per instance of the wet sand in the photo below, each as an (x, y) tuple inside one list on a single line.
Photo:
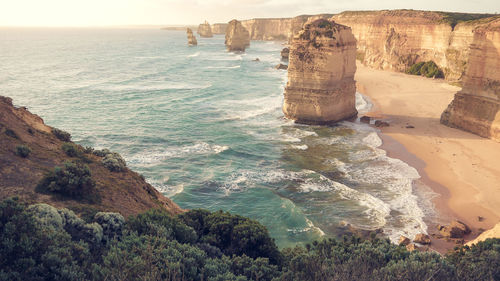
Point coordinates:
[(464, 169)]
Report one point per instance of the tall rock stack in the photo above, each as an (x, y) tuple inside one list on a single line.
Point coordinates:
[(476, 108), (191, 38), (237, 37), (322, 62), (204, 30)]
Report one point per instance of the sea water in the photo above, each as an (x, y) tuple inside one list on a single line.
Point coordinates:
[(205, 127)]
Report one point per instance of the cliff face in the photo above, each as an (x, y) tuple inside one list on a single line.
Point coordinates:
[(395, 40), (191, 38), (392, 40), (237, 37), (322, 62), (125, 192), (476, 108), (279, 28), (204, 30), (219, 28), (268, 29)]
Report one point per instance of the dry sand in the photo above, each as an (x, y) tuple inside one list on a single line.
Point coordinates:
[(464, 169)]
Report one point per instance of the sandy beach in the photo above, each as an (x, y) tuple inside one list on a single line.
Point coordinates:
[(464, 169)]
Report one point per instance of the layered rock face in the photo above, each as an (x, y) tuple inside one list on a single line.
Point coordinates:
[(268, 29), (322, 62), (476, 108), (392, 40), (204, 30), (191, 38), (237, 37), (278, 28), (219, 28), (395, 40)]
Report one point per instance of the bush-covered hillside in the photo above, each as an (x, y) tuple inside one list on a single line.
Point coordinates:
[(40, 242)]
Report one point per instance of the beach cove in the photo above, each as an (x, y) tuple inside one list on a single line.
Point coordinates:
[(459, 166)]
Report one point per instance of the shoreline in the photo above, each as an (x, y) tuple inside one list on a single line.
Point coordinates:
[(460, 167)]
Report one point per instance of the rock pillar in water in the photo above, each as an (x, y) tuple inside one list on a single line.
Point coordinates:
[(191, 38), (205, 30), (237, 37), (476, 108), (322, 62)]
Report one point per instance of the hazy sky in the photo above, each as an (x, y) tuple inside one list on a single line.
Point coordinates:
[(169, 12)]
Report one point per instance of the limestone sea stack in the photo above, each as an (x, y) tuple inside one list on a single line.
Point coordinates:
[(322, 62), (237, 37), (191, 38), (204, 30), (476, 108)]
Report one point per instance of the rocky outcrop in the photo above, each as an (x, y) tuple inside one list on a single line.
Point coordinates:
[(476, 108), (423, 239), (491, 233), (125, 191), (404, 241), (281, 66), (204, 30), (455, 229), (321, 87), (237, 37), (191, 38), (285, 53), (219, 28)]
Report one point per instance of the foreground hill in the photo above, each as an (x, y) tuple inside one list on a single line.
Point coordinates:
[(44, 148)]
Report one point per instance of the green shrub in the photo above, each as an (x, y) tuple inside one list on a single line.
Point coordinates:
[(478, 262), (41, 242), (70, 149), (11, 133), (88, 150), (30, 250), (160, 223), (233, 234), (74, 180), (23, 151), (428, 69), (112, 160), (61, 135)]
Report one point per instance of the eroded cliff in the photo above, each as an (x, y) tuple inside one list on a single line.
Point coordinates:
[(476, 108), (204, 30), (278, 28), (219, 28), (322, 62), (125, 191), (393, 40), (237, 37)]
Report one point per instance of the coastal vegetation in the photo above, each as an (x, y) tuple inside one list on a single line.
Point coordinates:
[(61, 135), (428, 69), (23, 151), (73, 179), (41, 242)]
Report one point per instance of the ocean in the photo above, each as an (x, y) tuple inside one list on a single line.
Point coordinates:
[(205, 127)]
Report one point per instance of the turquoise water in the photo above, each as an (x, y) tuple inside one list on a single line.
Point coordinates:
[(205, 127)]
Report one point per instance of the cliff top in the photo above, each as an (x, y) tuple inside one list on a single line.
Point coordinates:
[(30, 150), (449, 18), (321, 28)]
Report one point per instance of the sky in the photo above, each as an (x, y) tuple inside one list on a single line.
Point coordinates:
[(186, 12)]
